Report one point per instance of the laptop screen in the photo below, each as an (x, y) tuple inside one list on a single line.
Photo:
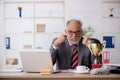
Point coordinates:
[(36, 60)]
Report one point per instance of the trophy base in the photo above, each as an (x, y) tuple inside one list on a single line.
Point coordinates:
[(96, 66), (111, 15)]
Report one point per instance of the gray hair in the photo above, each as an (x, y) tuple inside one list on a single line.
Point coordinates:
[(74, 20)]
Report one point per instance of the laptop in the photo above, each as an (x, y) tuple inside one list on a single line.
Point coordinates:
[(36, 60)]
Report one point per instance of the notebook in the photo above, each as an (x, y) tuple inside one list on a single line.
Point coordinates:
[(36, 60), (5, 70)]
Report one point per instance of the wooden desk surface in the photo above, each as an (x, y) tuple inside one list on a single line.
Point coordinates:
[(57, 76)]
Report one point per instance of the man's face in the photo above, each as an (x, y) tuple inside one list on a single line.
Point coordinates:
[(73, 32)]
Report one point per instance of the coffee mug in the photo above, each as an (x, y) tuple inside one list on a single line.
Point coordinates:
[(82, 68)]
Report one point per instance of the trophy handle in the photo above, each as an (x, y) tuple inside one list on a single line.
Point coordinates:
[(89, 45), (104, 44)]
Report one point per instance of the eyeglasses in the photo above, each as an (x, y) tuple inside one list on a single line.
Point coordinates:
[(74, 32)]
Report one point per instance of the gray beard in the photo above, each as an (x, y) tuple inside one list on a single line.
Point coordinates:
[(74, 42)]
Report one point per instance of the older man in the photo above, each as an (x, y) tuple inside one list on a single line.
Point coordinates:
[(64, 47)]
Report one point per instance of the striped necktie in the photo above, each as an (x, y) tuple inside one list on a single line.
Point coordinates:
[(74, 62)]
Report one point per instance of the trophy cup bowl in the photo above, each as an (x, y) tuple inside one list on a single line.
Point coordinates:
[(96, 48)]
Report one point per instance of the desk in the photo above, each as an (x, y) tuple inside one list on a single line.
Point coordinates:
[(57, 76)]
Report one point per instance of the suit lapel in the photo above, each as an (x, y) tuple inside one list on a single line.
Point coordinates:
[(80, 52), (68, 52)]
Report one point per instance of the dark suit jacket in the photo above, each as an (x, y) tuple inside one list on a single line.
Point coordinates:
[(63, 55)]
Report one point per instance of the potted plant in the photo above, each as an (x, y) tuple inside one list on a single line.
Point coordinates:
[(88, 31)]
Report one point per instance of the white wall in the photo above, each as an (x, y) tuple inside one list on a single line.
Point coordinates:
[(88, 11)]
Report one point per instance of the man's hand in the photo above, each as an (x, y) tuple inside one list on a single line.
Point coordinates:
[(86, 41), (60, 40)]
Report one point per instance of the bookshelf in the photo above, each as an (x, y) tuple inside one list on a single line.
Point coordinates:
[(32, 25)]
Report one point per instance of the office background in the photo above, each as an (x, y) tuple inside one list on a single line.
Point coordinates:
[(32, 24)]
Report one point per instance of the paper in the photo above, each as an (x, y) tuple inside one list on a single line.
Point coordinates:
[(41, 28)]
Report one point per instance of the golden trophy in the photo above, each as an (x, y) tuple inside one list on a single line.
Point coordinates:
[(96, 48), (111, 10)]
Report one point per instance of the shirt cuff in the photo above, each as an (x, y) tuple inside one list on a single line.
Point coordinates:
[(54, 47)]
